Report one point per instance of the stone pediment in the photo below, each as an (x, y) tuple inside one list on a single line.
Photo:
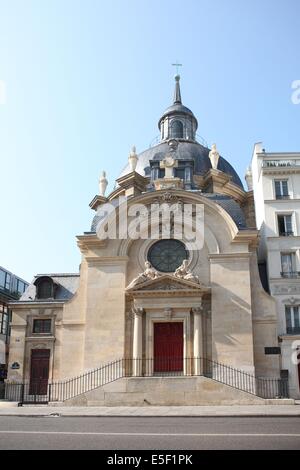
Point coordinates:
[(168, 284)]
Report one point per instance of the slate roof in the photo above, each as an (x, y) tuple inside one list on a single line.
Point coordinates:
[(67, 286), (230, 206), (186, 150)]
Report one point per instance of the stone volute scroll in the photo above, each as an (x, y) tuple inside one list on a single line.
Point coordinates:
[(149, 274), (184, 273)]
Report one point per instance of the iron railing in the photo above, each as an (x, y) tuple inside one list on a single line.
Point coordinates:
[(59, 391), (287, 233), (293, 330), (290, 274)]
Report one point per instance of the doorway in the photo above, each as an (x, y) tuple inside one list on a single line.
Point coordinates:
[(39, 371), (168, 347)]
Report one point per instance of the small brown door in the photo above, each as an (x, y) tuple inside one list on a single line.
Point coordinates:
[(39, 371), (168, 347)]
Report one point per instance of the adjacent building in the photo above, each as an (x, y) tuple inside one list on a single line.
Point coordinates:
[(11, 288), (276, 185)]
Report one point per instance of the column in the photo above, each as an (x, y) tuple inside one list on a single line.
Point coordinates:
[(198, 340), (137, 341)]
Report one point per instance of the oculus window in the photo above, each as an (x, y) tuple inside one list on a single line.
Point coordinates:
[(167, 255)]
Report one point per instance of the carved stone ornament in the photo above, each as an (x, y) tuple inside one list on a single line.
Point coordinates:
[(214, 156), (147, 275), (167, 197), (173, 145), (136, 311), (184, 273), (197, 310), (168, 313), (286, 290), (291, 301)]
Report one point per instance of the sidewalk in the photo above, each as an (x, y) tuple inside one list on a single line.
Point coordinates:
[(11, 409)]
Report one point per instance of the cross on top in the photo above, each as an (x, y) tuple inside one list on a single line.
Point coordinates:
[(177, 65)]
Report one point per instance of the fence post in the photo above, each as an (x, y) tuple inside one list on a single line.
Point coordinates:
[(49, 393), (22, 393)]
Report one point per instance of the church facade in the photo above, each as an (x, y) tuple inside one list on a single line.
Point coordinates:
[(167, 305)]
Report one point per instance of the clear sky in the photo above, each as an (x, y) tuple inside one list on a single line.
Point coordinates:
[(83, 80)]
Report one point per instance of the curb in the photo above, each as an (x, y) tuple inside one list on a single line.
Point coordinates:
[(154, 416)]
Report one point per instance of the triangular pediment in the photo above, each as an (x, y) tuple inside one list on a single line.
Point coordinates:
[(167, 282)]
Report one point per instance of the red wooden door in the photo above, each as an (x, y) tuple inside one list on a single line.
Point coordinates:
[(168, 347), (39, 371)]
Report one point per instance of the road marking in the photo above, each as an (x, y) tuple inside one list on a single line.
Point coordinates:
[(154, 434)]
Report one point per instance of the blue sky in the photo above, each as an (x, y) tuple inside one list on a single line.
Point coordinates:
[(86, 79)]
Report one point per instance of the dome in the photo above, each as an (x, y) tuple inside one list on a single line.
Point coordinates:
[(185, 150), (177, 108)]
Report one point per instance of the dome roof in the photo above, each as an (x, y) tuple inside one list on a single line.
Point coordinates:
[(177, 108), (186, 150)]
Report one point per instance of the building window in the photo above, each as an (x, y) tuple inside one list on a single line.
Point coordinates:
[(285, 226), (4, 319), (167, 255), (42, 326), (281, 189), (44, 288), (5, 280), (21, 287), (177, 130), (292, 315), (288, 265)]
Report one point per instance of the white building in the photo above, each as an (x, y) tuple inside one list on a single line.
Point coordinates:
[(276, 187)]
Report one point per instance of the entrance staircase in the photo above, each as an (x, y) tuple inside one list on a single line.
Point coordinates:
[(141, 382)]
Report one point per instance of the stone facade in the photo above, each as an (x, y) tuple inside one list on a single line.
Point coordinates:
[(109, 311)]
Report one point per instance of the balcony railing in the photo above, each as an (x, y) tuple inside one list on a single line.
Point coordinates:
[(293, 330), (280, 163), (286, 234), (290, 274), (282, 196)]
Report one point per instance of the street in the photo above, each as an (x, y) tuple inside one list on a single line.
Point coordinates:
[(153, 433)]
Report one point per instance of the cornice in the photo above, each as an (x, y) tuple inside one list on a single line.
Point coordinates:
[(107, 260), (250, 236), (25, 304), (40, 338), (90, 241), (97, 201), (216, 257), (224, 185)]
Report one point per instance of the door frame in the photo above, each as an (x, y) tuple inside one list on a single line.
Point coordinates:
[(154, 357), (158, 316), (47, 356)]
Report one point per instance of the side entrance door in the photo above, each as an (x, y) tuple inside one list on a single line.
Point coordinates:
[(39, 371), (168, 347)]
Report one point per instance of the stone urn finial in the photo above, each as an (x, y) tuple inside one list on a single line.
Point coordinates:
[(102, 183), (214, 156), (133, 158), (249, 179)]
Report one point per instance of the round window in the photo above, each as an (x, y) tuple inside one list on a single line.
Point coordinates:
[(167, 255)]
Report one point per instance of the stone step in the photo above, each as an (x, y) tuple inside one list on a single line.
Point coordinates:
[(164, 391)]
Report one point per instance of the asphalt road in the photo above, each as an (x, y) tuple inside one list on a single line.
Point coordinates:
[(157, 433)]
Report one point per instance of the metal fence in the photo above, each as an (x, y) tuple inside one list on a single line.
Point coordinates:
[(59, 391)]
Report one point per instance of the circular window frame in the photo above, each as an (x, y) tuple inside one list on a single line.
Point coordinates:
[(178, 242)]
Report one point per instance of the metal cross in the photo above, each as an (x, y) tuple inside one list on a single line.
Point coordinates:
[(177, 65)]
